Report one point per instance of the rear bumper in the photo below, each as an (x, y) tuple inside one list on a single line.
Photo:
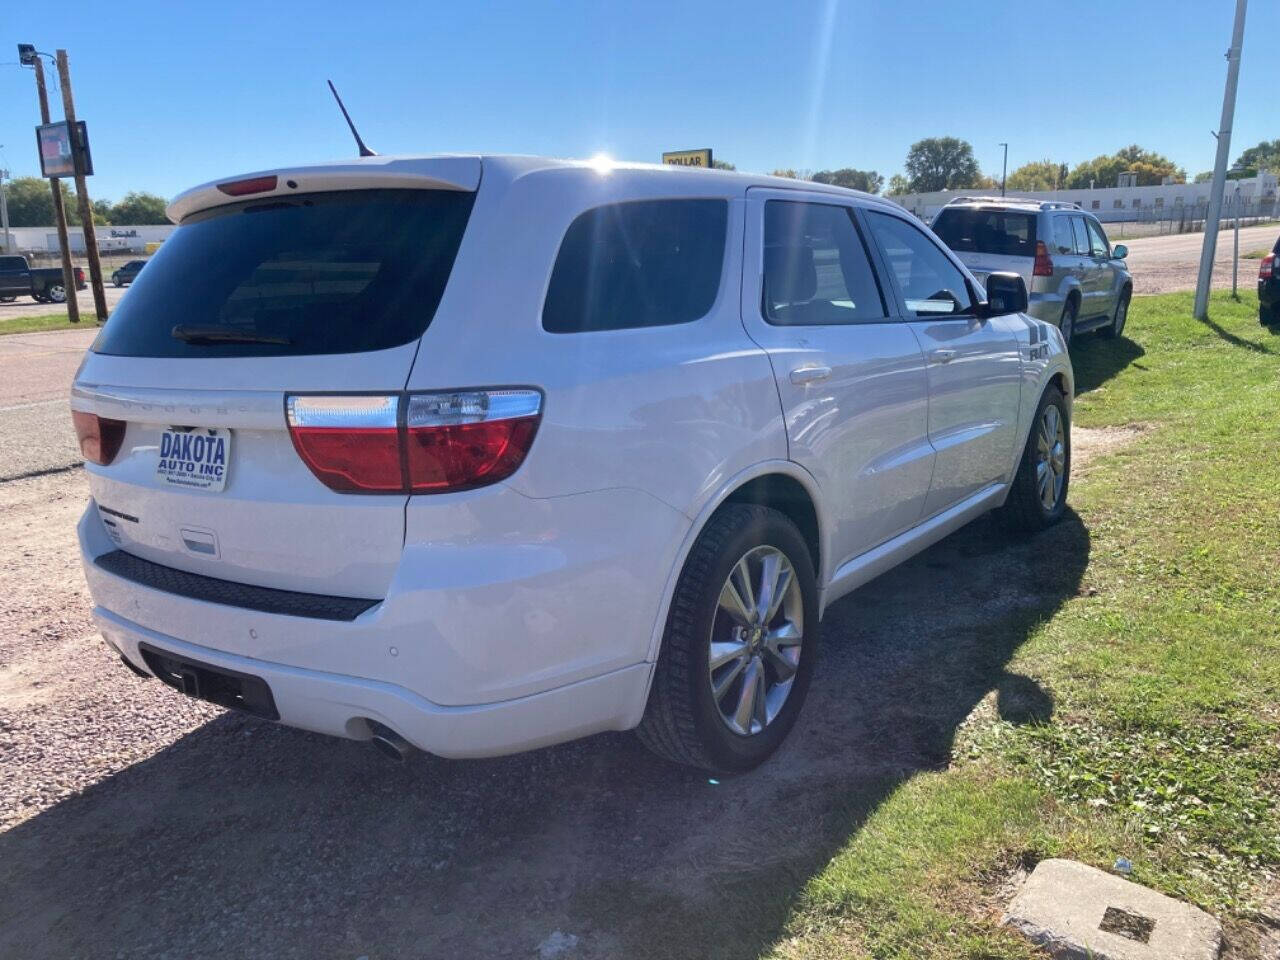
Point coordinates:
[(342, 706), (1046, 306), (483, 644)]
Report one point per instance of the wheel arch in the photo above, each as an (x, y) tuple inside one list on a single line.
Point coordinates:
[(781, 484)]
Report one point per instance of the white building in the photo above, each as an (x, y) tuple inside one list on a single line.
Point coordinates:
[(110, 239), (1169, 201)]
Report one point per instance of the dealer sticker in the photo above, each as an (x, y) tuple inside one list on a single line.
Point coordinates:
[(196, 459)]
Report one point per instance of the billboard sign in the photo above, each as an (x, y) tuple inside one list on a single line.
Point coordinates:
[(54, 143), (688, 158)]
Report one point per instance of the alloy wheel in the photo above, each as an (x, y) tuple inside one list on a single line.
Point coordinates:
[(1051, 465), (756, 635), (57, 293)]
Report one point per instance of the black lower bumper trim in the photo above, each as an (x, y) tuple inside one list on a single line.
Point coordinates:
[(195, 586)]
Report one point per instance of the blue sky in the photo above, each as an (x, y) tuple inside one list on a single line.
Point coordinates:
[(178, 93)]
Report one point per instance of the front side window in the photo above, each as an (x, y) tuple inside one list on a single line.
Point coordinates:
[(930, 283), (1064, 240), (816, 268), (645, 263), (1097, 240)]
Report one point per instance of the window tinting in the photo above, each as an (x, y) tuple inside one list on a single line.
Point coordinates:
[(930, 283), (987, 231), (647, 263), (316, 273), (1082, 236), (816, 269), (1097, 240), (1063, 239)]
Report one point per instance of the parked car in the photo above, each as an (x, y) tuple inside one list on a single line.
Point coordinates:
[(43, 284), (342, 479), (1269, 288), (127, 273), (1075, 278)]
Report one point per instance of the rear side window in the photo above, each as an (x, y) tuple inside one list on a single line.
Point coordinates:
[(342, 272), (816, 268), (1082, 236), (12, 263), (967, 230), (645, 263), (1063, 239)]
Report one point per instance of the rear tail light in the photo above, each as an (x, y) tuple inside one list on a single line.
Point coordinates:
[(99, 437), (1268, 267), (417, 443), (1044, 262), (79, 275)]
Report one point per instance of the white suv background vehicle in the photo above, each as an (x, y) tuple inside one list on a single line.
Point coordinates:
[(480, 454)]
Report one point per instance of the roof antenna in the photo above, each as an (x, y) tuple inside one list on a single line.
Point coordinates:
[(364, 151)]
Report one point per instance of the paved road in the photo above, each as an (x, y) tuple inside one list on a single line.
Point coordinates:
[(26, 307), (36, 370), (1166, 264)]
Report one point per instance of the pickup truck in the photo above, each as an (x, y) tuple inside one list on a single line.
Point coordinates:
[(42, 284)]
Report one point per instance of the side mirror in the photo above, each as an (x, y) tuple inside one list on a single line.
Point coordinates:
[(1119, 251), (1006, 293)]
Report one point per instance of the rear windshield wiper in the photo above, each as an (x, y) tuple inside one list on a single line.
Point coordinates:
[(198, 334)]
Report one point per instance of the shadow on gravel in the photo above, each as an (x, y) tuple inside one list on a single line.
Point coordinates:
[(1096, 360), (247, 839)]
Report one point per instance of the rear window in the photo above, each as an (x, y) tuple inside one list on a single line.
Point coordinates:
[(341, 272), (988, 231), (645, 263), (12, 263)]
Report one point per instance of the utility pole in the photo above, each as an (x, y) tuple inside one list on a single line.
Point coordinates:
[(1235, 255), (82, 190), (59, 215), (1004, 167), (1220, 165), (4, 213)]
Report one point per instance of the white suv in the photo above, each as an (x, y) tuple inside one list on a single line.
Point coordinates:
[(479, 454)]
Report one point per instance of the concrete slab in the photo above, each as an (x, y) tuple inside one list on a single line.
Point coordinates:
[(1082, 913)]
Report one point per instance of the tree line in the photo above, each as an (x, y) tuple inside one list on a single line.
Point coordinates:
[(948, 163), (31, 205)]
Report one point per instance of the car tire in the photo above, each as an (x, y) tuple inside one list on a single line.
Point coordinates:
[(1268, 316), (57, 293), (1067, 323), (115, 280), (1116, 327), (685, 720), (1031, 505), (8, 299)]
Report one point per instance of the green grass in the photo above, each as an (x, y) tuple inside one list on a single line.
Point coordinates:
[(1164, 671), (1255, 254), (50, 321)]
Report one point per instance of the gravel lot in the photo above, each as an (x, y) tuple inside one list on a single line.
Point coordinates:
[(134, 822), (26, 307), (1166, 264)]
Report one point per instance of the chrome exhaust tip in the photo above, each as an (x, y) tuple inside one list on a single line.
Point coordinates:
[(388, 742)]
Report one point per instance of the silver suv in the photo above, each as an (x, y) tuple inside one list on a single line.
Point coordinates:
[(1074, 277)]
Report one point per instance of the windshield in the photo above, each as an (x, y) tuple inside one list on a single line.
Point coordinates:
[(317, 273), (1003, 232)]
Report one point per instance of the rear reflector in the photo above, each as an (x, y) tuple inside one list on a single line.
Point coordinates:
[(1044, 263), (417, 443), (240, 188), (99, 437), (1267, 267)]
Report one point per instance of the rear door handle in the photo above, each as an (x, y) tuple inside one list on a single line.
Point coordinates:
[(802, 375), (942, 356)]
